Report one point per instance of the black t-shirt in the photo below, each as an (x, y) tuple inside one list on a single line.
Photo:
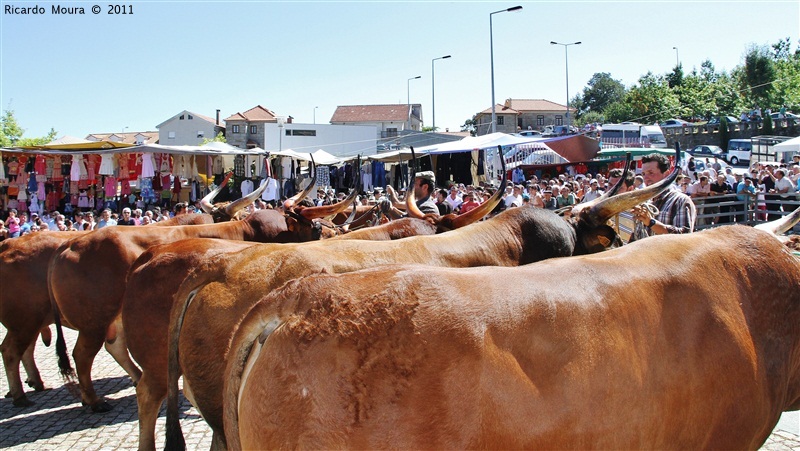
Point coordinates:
[(126, 222), (720, 189)]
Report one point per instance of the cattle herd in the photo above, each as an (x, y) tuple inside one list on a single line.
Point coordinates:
[(293, 330)]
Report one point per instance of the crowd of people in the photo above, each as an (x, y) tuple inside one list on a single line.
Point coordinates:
[(764, 188)]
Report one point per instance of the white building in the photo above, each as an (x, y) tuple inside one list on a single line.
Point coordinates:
[(188, 129)]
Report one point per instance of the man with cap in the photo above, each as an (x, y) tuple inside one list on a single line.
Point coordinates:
[(594, 191)]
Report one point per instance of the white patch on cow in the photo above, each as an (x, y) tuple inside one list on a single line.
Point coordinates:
[(304, 392), (267, 329)]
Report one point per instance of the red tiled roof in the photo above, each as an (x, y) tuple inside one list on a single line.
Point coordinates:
[(371, 113), (523, 105), (256, 114)]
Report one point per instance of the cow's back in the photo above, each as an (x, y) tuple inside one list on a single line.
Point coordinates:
[(670, 342)]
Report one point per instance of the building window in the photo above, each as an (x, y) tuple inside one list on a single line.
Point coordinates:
[(181, 118), (540, 120), (559, 120), (253, 129), (391, 132), (201, 134), (191, 117), (235, 128), (171, 135), (500, 120), (301, 132)]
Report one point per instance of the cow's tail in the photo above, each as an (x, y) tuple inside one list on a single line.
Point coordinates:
[(195, 281), (64, 365), (246, 346)]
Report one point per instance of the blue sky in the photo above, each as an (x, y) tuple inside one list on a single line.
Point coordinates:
[(102, 73)]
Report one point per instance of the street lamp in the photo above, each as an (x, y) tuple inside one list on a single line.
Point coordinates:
[(408, 100), (315, 114), (433, 91), (677, 59), (491, 54), (566, 66)]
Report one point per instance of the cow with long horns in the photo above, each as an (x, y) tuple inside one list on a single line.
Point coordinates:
[(640, 349), (211, 301)]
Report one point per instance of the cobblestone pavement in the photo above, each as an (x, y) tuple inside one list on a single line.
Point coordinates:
[(58, 421)]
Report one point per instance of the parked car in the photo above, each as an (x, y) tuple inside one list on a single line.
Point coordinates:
[(713, 123), (530, 133), (707, 151), (793, 116), (673, 123), (738, 151)]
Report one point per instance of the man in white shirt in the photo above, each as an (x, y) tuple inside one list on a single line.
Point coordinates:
[(700, 190), (270, 193), (515, 198), (454, 198), (594, 191)]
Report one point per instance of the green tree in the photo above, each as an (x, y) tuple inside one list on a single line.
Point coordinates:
[(651, 99), (618, 112), (759, 74), (11, 131), (220, 138), (601, 91), (786, 87), (675, 78), (469, 125), (589, 118)]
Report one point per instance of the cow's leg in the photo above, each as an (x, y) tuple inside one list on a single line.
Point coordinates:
[(13, 348), (86, 348), (34, 378), (117, 346), (150, 392)]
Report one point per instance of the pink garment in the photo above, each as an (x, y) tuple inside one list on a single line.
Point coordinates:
[(40, 166), (111, 186), (91, 168), (125, 188)]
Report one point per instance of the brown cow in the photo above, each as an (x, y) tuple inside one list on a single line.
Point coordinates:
[(105, 256), (146, 313), (220, 294), (25, 307), (673, 342), (24, 304)]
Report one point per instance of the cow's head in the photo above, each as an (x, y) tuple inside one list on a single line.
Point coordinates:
[(228, 211), (590, 218)]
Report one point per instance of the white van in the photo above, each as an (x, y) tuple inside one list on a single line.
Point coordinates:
[(631, 134), (738, 152)]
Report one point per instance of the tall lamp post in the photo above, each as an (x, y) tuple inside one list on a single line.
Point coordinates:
[(677, 58), (408, 100), (433, 91), (491, 55), (315, 114), (566, 66)]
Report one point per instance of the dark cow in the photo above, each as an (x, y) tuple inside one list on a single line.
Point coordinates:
[(673, 342), (225, 288)]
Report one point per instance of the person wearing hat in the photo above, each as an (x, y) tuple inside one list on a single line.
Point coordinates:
[(594, 191)]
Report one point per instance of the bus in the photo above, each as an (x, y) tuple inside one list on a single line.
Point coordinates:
[(631, 134)]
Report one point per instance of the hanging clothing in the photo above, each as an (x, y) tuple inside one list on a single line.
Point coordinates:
[(246, 187), (83, 200), (106, 165), (40, 167), (122, 162), (77, 168), (91, 168), (148, 165), (176, 186), (218, 167), (323, 176), (125, 187), (110, 187)]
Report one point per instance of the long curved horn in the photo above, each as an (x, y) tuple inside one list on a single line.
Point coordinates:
[(599, 211), (234, 207), (411, 204), (329, 210), (289, 203), (205, 203), (780, 226), (486, 207)]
